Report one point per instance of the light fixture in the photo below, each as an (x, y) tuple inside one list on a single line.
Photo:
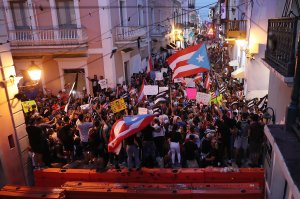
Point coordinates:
[(34, 72)]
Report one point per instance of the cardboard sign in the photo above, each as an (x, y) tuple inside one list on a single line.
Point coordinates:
[(161, 89), (103, 83), (118, 105), (27, 105), (151, 89), (203, 98), (159, 76), (191, 93), (142, 111)]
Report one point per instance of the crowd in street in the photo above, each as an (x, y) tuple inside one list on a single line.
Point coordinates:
[(184, 134)]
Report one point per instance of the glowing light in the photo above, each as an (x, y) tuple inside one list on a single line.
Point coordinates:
[(34, 72)]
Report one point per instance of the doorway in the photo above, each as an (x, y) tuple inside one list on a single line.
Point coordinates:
[(70, 78), (126, 72)]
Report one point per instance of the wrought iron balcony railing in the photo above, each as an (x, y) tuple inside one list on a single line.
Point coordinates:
[(282, 41), (236, 29), (129, 33), (158, 31), (47, 37)]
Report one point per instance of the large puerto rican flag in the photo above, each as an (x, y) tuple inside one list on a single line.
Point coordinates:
[(126, 127), (141, 93), (189, 61)]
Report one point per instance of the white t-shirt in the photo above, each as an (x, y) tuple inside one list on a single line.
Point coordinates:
[(83, 128)]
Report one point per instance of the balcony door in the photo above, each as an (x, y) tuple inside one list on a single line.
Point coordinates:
[(66, 14), (123, 13), (20, 14)]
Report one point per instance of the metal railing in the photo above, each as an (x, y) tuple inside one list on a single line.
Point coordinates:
[(41, 37), (129, 33), (282, 41), (236, 25), (158, 31)]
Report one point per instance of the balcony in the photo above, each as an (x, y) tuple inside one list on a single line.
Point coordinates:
[(158, 31), (50, 38), (129, 34), (236, 29), (282, 41)]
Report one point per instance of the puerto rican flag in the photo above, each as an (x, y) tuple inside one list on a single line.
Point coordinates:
[(150, 65), (126, 127), (207, 82), (198, 77), (141, 93), (189, 61)]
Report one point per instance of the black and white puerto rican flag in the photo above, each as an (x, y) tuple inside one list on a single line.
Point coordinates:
[(162, 97)]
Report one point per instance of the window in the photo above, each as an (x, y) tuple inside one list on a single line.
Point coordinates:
[(141, 15), (123, 18), (152, 15), (66, 13), (20, 14)]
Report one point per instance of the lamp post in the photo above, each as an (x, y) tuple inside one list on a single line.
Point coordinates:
[(34, 72)]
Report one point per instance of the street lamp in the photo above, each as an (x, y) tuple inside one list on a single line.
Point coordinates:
[(34, 72)]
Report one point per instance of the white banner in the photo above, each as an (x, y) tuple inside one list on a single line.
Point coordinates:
[(203, 98), (151, 89)]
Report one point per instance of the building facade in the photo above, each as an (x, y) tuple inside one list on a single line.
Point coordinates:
[(112, 39)]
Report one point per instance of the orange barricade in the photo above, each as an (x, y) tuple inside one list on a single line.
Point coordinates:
[(56, 177), (14, 191), (76, 190)]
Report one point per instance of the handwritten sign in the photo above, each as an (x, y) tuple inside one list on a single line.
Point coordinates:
[(118, 105), (103, 83), (203, 98), (27, 105), (151, 89)]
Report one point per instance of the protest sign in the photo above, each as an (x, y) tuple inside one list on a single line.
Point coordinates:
[(85, 107), (191, 93), (203, 98), (27, 105), (118, 105), (151, 89), (142, 111), (103, 83), (161, 89), (159, 76)]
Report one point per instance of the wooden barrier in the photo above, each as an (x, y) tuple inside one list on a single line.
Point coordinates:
[(56, 177), (25, 192), (80, 190)]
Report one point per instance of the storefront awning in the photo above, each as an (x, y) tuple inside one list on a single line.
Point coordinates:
[(234, 62), (238, 73)]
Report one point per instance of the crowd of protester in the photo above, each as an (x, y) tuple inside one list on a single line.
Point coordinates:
[(184, 134)]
